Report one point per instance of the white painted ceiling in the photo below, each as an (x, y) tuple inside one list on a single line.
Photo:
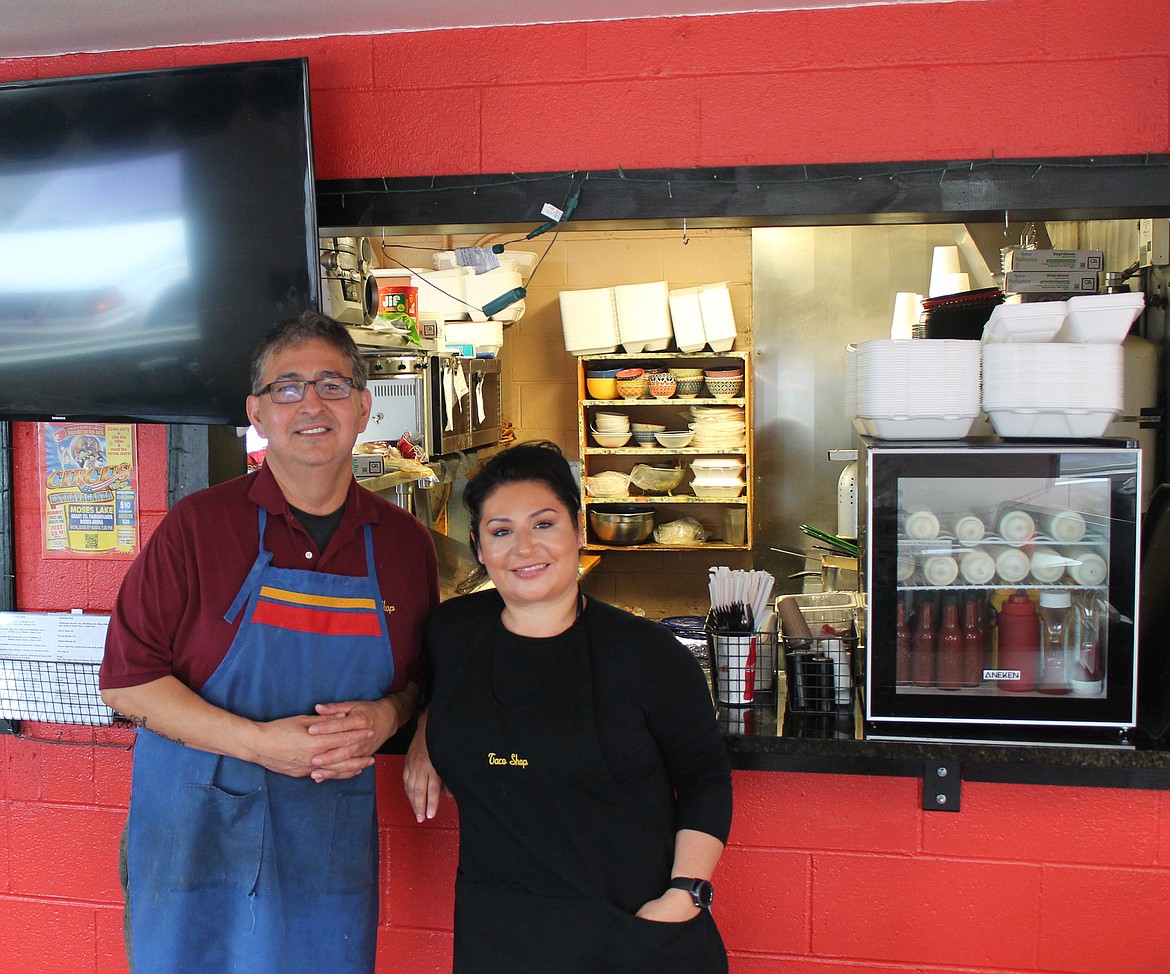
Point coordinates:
[(45, 27)]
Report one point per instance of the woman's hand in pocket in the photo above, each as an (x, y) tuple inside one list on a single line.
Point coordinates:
[(673, 906)]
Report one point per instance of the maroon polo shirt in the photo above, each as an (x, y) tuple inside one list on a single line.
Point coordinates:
[(169, 616)]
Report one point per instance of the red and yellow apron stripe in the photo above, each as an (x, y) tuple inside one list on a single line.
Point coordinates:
[(317, 621), (322, 615), (325, 601)]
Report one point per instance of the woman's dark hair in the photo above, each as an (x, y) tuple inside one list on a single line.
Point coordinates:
[(533, 460)]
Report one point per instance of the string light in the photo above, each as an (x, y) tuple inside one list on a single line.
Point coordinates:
[(802, 176)]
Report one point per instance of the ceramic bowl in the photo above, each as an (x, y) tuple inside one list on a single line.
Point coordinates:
[(644, 437), (686, 373), (648, 427), (632, 373), (675, 439), (724, 388), (610, 441), (736, 373), (611, 422), (601, 373), (601, 388), (663, 385), (633, 388), (690, 386)]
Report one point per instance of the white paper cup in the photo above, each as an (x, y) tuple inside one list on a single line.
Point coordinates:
[(944, 263), (735, 668)]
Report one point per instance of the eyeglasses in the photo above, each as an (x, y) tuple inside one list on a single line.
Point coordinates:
[(293, 390)]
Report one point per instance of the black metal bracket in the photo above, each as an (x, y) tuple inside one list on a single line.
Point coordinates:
[(9, 726), (942, 782)]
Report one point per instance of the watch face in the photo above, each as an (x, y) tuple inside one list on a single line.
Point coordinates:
[(704, 893)]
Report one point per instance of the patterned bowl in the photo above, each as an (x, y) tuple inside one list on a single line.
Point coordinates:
[(663, 385), (724, 388), (632, 388), (690, 386)]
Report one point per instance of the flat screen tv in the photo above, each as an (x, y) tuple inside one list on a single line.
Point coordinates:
[(153, 226)]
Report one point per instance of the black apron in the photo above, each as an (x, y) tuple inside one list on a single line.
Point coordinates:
[(555, 855)]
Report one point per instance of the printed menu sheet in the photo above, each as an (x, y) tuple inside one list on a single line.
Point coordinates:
[(49, 667)]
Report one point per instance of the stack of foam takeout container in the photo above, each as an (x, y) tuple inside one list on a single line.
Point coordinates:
[(1056, 368), (913, 389)]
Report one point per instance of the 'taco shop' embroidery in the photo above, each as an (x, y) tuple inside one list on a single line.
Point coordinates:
[(514, 761)]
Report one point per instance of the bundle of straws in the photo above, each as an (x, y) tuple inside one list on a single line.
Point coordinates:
[(739, 599)]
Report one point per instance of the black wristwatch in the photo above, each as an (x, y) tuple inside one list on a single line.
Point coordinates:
[(701, 890)]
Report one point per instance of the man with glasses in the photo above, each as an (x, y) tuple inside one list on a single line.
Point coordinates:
[(266, 643)]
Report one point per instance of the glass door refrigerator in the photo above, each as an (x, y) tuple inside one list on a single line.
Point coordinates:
[(1002, 583)]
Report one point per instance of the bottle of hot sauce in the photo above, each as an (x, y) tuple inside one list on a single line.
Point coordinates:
[(922, 660), (950, 649), (902, 646), (973, 637)]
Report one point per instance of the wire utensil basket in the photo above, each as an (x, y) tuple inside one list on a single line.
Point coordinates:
[(819, 673)]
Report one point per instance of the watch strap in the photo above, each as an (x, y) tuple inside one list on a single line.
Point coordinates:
[(701, 890)]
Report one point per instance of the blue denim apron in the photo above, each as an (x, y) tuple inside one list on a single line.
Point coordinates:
[(234, 869)]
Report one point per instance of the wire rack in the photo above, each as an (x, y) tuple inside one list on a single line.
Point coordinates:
[(53, 691), (819, 673)]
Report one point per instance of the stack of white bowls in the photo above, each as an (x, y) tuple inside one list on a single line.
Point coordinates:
[(612, 428), (1052, 389), (916, 389), (718, 428)]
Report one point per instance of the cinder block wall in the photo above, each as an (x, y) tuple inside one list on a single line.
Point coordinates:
[(825, 873)]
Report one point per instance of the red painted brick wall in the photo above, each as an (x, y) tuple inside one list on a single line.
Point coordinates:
[(823, 873)]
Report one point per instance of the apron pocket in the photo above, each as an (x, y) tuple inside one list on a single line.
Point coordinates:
[(353, 845), (218, 839)]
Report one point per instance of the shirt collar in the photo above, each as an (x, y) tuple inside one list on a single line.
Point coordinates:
[(361, 507)]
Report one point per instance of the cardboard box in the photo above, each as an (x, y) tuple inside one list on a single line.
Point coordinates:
[(1153, 242), (1051, 282), (1018, 259), (369, 465)]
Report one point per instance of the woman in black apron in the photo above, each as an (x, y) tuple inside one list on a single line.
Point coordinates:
[(581, 747)]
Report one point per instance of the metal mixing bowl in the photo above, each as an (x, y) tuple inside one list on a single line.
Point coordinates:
[(622, 524)]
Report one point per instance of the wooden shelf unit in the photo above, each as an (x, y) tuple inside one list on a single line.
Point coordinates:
[(675, 413)]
